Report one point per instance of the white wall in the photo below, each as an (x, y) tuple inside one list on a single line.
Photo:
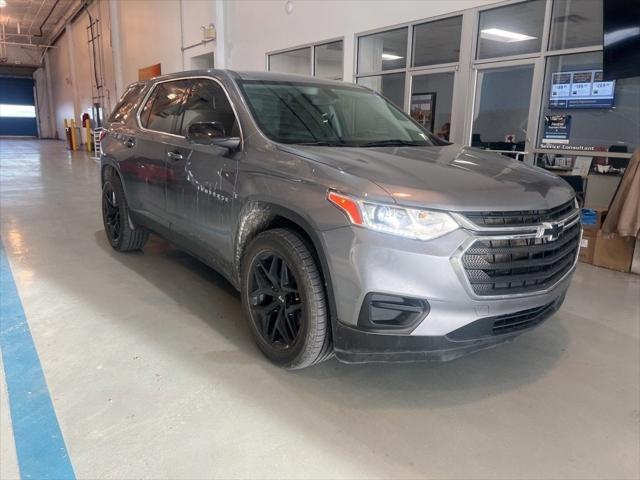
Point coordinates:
[(255, 27), (61, 84), (153, 32), (150, 33), (196, 14), (71, 70)]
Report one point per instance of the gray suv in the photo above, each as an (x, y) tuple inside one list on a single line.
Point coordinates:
[(348, 229)]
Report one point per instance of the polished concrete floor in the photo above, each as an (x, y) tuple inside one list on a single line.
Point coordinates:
[(153, 374)]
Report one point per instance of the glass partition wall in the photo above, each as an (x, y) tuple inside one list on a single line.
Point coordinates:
[(322, 59), (415, 66), (520, 77), (494, 76)]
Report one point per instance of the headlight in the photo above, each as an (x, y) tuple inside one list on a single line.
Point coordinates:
[(404, 222)]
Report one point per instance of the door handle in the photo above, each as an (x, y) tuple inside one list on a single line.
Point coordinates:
[(130, 142), (175, 156)]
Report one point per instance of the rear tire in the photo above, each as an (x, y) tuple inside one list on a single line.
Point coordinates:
[(284, 299), (121, 234)]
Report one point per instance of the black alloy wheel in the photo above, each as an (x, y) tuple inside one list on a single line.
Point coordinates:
[(122, 234), (275, 301), (284, 298), (111, 213)]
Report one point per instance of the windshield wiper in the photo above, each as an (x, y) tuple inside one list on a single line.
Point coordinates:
[(394, 142)]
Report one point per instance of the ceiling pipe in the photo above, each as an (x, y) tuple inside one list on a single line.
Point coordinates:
[(59, 27), (47, 18), (36, 15)]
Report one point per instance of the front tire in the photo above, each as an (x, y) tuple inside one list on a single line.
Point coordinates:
[(284, 300), (115, 216)]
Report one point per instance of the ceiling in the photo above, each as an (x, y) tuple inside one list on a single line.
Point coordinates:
[(32, 15)]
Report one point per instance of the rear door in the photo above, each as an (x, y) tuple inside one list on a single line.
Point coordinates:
[(201, 178), (146, 174)]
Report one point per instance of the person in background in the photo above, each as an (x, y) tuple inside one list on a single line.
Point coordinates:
[(444, 131)]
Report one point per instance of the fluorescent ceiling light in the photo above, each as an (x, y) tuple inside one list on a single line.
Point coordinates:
[(3, 3), (504, 35), (385, 56)]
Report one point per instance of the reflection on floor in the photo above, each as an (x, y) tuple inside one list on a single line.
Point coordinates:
[(153, 373)]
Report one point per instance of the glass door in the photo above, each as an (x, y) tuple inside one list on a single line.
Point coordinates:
[(502, 106), (431, 100)]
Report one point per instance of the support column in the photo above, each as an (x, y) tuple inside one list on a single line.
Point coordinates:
[(220, 58), (53, 130), (72, 68), (114, 20)]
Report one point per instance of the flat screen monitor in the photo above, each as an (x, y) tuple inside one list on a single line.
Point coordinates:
[(583, 89), (621, 29)]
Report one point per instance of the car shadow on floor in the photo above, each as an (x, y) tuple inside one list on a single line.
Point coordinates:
[(210, 297), (364, 403)]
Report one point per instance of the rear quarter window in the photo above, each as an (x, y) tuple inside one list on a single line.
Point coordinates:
[(127, 104)]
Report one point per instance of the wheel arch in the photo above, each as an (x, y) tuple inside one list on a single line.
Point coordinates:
[(109, 165), (259, 216)]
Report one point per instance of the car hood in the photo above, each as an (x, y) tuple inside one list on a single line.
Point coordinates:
[(447, 177)]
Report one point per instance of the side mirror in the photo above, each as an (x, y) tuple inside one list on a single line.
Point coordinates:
[(211, 133)]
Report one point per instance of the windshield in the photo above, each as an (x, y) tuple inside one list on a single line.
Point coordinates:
[(335, 115)]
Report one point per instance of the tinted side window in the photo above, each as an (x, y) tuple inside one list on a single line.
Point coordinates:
[(163, 106), (208, 102), (128, 102)]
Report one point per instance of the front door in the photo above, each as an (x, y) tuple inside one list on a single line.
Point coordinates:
[(201, 178)]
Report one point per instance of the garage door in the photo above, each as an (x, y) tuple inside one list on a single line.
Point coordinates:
[(17, 107)]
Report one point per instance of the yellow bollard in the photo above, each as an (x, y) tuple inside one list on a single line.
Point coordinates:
[(87, 127), (74, 139)]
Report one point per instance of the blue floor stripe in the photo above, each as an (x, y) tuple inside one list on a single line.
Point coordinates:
[(42, 454)]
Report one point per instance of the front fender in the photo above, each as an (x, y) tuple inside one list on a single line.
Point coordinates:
[(259, 214)]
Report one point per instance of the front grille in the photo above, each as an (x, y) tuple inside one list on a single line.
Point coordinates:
[(520, 218), (523, 265), (521, 320)]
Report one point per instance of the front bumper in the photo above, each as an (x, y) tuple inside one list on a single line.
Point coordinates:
[(353, 345), (362, 261)]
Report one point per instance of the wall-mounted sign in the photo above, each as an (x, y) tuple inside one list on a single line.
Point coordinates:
[(557, 129), (423, 109), (150, 72), (584, 89)]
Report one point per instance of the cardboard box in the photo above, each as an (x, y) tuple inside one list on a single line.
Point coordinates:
[(587, 246), (601, 213), (614, 252)]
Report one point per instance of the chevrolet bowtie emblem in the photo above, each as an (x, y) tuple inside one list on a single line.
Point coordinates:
[(550, 231)]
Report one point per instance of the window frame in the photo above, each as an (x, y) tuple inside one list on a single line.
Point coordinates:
[(544, 40), (312, 46), (290, 50), (191, 78), (537, 101), (412, 39), (460, 68), (178, 128), (148, 96)]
